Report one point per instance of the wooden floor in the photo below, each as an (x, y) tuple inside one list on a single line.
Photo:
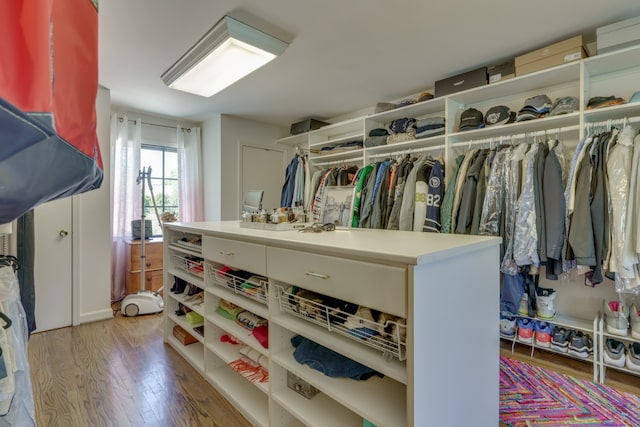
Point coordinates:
[(119, 373)]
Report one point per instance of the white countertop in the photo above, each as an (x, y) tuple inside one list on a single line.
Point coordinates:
[(387, 246)]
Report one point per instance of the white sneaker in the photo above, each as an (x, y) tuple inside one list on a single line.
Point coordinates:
[(633, 357), (614, 353), (616, 317), (546, 306), (634, 316)]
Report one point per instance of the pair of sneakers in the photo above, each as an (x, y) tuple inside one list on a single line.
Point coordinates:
[(618, 318), (616, 354), (545, 304), (580, 344), (530, 331)]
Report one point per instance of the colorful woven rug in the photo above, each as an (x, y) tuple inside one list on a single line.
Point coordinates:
[(533, 396)]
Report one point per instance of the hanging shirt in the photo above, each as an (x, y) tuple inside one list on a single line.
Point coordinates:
[(434, 198)]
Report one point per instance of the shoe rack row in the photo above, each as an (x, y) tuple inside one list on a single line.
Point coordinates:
[(319, 330), (619, 338), (563, 335), (615, 343)]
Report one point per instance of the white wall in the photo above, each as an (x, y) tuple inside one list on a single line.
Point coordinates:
[(92, 254), (222, 136), (211, 166)]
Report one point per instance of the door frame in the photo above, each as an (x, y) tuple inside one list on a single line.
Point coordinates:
[(75, 260)]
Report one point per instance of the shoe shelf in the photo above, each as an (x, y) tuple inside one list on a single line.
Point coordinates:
[(191, 264), (249, 400), (188, 245), (589, 328), (185, 275), (186, 300), (626, 340), (228, 352), (380, 400), (194, 353), (388, 338), (255, 288)]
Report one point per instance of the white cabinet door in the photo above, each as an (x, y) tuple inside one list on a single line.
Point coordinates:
[(53, 264)]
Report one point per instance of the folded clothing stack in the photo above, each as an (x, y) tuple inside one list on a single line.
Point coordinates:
[(430, 126), (402, 130)]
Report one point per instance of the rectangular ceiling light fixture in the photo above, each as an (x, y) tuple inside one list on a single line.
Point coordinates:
[(225, 54)]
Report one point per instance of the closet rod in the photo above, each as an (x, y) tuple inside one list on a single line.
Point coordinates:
[(611, 122), (508, 138), (334, 162), (156, 124), (408, 151)]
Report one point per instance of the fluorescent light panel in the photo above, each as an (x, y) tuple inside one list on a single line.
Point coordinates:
[(228, 52)]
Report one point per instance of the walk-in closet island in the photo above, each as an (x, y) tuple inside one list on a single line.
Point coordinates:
[(338, 328)]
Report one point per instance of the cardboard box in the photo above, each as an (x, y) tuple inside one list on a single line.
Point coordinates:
[(183, 336), (550, 56), (300, 386), (460, 82), (618, 36), (503, 71), (306, 125)]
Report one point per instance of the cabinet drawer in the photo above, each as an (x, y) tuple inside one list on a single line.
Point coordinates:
[(152, 252), (152, 281), (372, 285), (242, 255)]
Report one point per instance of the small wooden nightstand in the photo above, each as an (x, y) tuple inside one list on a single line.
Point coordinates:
[(153, 266)]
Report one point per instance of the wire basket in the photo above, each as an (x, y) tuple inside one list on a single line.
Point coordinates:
[(388, 336), (190, 264), (255, 287)]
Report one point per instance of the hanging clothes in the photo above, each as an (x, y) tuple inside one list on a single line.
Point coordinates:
[(16, 392), (434, 198)]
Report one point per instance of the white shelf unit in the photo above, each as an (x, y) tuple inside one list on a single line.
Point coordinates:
[(570, 323), (615, 73), (603, 335), (419, 386)]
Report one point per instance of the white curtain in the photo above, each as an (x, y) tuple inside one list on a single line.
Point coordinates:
[(190, 203), (126, 137)]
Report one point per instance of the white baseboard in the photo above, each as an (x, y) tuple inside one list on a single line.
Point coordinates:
[(95, 316)]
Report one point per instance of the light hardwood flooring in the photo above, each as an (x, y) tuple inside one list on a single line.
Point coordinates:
[(120, 373)]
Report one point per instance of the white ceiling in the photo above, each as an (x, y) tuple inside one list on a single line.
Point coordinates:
[(344, 56)]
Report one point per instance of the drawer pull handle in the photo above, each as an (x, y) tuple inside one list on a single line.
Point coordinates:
[(226, 253), (318, 275)]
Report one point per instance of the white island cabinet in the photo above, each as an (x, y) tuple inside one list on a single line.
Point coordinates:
[(432, 341)]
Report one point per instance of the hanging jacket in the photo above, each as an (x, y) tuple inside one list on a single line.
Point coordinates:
[(481, 190), (492, 208), (362, 177), (468, 193), (381, 191), (394, 217), (462, 176), (420, 196), (555, 172), (408, 201), (288, 187), (447, 200)]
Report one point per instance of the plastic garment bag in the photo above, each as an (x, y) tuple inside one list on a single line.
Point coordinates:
[(48, 86), (16, 392), (623, 261), (525, 236)]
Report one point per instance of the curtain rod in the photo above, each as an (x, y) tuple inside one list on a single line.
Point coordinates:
[(188, 130)]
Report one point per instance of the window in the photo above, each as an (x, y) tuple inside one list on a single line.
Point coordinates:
[(164, 181)]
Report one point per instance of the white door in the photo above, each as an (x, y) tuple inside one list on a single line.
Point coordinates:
[(263, 169), (53, 264)]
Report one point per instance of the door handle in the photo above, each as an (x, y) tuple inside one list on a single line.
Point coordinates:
[(63, 233)]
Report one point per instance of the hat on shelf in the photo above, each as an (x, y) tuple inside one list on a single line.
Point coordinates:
[(540, 104), (499, 115), (565, 105), (635, 97), (604, 101), (471, 119), (384, 106), (534, 107), (424, 96)]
